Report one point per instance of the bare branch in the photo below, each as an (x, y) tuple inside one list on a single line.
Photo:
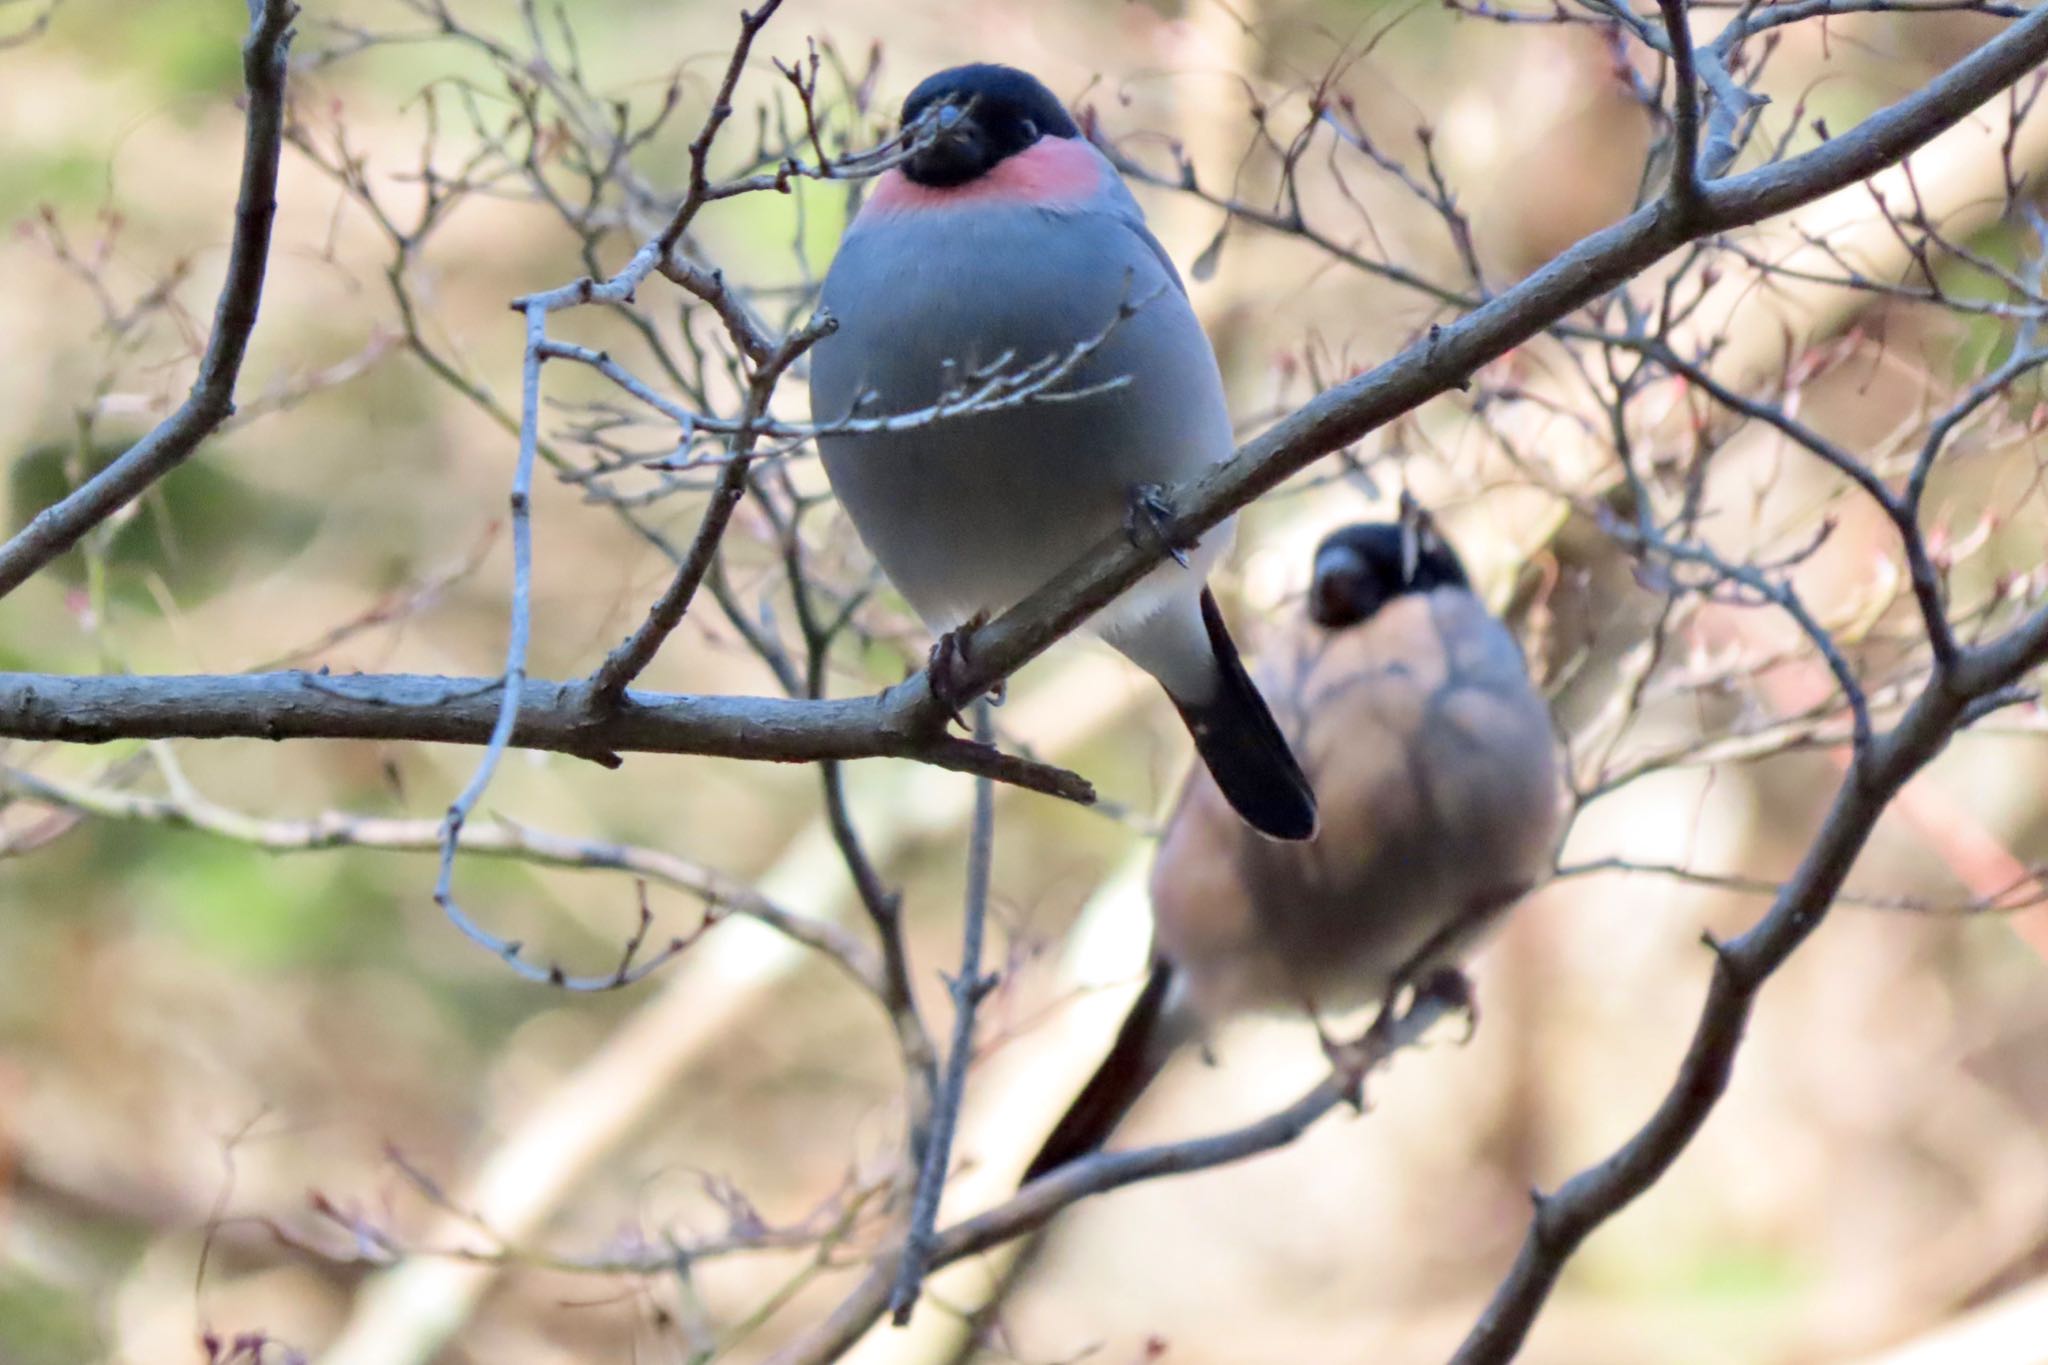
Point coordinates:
[(211, 402), (497, 838), (552, 715), (631, 658), (968, 988), (1926, 585), (1685, 108), (521, 500)]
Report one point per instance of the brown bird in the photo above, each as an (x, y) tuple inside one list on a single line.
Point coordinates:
[(1436, 773)]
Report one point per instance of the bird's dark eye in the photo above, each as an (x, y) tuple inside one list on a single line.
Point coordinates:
[(1030, 131)]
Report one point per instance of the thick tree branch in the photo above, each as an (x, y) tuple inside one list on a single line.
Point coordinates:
[(552, 715), (211, 402)]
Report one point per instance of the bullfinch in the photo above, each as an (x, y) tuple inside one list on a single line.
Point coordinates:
[(1433, 755), (1005, 240)]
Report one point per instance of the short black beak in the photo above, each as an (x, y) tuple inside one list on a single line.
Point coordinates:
[(1337, 595), (954, 149)]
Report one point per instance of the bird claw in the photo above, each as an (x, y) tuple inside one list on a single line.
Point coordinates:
[(946, 668), (1450, 991), (1145, 522), (1350, 1060), (1440, 991)]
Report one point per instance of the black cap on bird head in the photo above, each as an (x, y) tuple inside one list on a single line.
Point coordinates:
[(978, 115), (1361, 568)]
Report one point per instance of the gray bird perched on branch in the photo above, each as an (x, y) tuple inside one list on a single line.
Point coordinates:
[(1433, 757), (1004, 269)]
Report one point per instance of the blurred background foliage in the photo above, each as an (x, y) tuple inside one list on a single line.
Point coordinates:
[(195, 1032)]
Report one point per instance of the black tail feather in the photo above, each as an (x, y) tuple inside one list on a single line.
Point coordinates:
[(1142, 1046), (1241, 744)]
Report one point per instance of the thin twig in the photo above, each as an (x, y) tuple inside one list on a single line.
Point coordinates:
[(968, 988), (510, 951), (496, 838), (608, 685)]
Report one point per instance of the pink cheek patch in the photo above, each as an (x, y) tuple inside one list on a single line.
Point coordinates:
[(1052, 172)]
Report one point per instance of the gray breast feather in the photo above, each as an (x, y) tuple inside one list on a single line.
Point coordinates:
[(973, 512)]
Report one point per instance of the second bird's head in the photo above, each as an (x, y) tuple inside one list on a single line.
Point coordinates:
[(972, 118), (1361, 568)]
